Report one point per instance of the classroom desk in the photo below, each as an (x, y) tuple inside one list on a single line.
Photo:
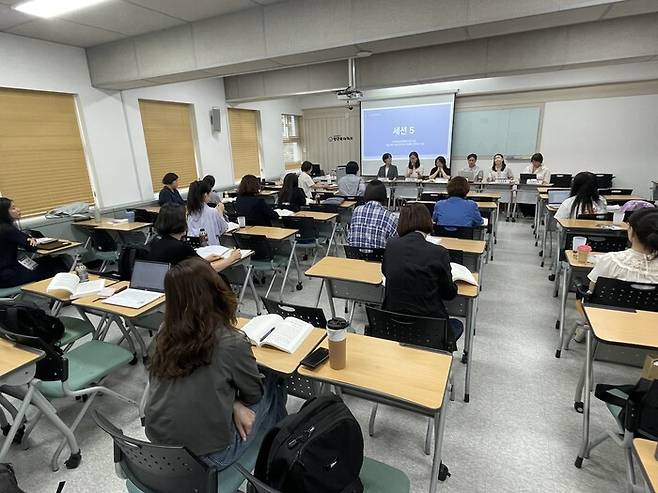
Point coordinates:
[(549, 213), (528, 189), (624, 327), (68, 245), (473, 250), (506, 189), (151, 208), (645, 453), (621, 199), (361, 281), (119, 228), (387, 372), (61, 297), (348, 204), (280, 361)]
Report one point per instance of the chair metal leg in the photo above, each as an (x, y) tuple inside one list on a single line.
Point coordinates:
[(371, 422), (17, 420), (428, 436), (267, 294), (142, 402)]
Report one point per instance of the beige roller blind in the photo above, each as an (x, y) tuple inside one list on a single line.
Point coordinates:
[(243, 127), (42, 160), (169, 141)]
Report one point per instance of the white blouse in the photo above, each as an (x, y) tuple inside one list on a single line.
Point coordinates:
[(628, 265), (415, 173), (543, 173), (505, 174), (564, 211)]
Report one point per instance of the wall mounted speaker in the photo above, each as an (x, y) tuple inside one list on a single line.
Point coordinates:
[(215, 119)]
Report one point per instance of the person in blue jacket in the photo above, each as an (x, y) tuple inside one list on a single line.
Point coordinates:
[(457, 210)]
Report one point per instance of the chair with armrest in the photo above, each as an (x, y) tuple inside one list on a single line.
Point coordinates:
[(367, 254), (421, 332), (462, 232), (615, 191), (308, 233), (103, 247), (601, 216)]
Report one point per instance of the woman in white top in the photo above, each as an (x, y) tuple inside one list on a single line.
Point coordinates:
[(639, 263), (414, 169), (499, 169), (584, 198), (537, 168), (305, 181), (201, 216)]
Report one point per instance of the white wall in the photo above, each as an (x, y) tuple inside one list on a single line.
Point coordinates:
[(271, 131)]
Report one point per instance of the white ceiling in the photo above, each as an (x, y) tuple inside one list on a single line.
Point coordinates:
[(116, 19)]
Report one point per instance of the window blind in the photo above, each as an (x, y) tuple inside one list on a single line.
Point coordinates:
[(243, 127), (169, 141), (43, 160)]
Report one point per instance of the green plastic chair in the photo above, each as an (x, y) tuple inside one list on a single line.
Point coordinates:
[(74, 329), (10, 293)]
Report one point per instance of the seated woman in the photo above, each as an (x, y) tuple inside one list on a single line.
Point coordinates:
[(457, 210), (499, 169), (214, 196), (251, 206), (169, 192), (291, 196), (168, 247), (583, 199), (206, 391), (418, 274), (414, 168), (201, 216), (440, 169), (372, 223), (350, 185), (15, 269)]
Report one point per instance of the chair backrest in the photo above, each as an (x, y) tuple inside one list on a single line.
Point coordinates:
[(433, 196), (561, 180), (331, 208), (312, 315), (144, 216), (602, 216), (463, 232), (52, 367), (307, 228), (102, 241), (152, 467), (407, 329), (615, 191), (603, 244), (623, 294), (258, 243), (367, 254)]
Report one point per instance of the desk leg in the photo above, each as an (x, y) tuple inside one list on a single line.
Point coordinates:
[(470, 328), (331, 239), (317, 301), (544, 234), (515, 196), (138, 336), (285, 275), (439, 429), (253, 291), (330, 296), (566, 274), (495, 228), (245, 283), (584, 446), (126, 335)]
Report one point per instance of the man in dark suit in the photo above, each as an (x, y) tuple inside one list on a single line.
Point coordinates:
[(389, 170), (418, 274)]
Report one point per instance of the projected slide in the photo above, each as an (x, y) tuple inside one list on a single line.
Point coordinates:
[(400, 130)]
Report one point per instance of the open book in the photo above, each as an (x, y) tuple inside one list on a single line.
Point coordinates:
[(461, 273), (69, 282), (209, 251), (232, 226), (273, 330), (284, 212)]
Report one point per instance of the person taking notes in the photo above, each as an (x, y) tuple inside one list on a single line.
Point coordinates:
[(201, 216), (389, 170)]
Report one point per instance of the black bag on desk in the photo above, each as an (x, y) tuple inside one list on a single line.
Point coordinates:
[(640, 410), (26, 318), (319, 450), (8, 483)]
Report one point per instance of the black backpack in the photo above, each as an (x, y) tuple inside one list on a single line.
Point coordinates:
[(26, 318), (8, 483), (127, 259), (318, 449), (640, 411)]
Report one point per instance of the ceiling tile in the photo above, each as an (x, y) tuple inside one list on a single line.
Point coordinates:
[(65, 32), (201, 9), (10, 17), (122, 17)]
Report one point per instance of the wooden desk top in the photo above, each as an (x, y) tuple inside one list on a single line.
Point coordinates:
[(484, 195), (268, 193), (215, 264), (69, 244), (318, 216), (94, 303), (621, 198), (108, 225), (272, 233), (151, 208), (467, 246), (355, 270), (590, 224), (628, 328), (40, 288), (574, 263), (283, 362), (14, 357), (348, 204), (386, 368), (645, 451)]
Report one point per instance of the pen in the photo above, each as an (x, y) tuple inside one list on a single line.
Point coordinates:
[(266, 334)]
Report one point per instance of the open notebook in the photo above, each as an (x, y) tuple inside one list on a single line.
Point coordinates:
[(210, 251), (273, 330), (69, 282)]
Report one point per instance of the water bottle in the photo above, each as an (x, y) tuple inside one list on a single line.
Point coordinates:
[(81, 271), (203, 237)]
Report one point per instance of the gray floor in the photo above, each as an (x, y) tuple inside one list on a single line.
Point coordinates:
[(518, 433)]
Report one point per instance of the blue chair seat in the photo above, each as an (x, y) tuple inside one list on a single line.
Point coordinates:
[(74, 329), (88, 363)]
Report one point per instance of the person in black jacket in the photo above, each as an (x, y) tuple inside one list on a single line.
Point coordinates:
[(418, 274), (169, 192), (251, 206), (291, 196), (12, 271)]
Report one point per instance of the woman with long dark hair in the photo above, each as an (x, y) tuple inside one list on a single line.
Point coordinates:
[(201, 216), (414, 168), (206, 391), (583, 199), (254, 208), (17, 268), (291, 196), (499, 169), (440, 169)]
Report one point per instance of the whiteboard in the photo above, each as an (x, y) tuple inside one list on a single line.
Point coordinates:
[(512, 132)]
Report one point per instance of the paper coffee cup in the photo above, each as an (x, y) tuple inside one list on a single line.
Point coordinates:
[(242, 221)]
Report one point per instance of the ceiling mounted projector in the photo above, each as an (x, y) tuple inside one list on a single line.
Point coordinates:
[(349, 94)]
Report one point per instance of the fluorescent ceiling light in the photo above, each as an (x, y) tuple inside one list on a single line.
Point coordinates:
[(53, 8)]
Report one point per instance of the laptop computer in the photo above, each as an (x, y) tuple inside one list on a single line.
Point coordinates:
[(527, 176), (146, 285), (556, 197)]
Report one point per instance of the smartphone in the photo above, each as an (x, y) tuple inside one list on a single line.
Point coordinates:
[(316, 358)]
